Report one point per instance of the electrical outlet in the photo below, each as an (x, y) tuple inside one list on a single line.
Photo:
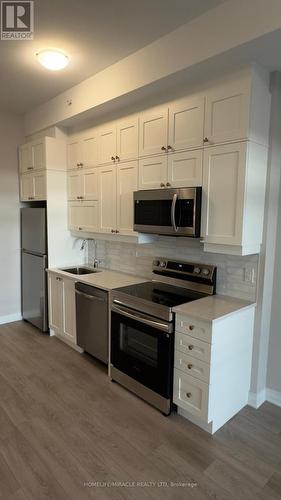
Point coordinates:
[(250, 275)]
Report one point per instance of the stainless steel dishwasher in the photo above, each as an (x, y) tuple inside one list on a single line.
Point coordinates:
[(92, 320)]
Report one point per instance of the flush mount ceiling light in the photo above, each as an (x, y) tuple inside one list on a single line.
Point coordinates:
[(52, 59)]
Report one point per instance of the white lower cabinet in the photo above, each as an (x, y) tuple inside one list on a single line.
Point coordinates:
[(212, 367), (33, 186), (83, 216), (62, 316)]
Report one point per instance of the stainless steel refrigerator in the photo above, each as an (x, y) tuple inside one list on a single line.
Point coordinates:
[(34, 261)]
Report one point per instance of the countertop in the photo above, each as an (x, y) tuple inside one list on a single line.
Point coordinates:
[(214, 307), (105, 279)]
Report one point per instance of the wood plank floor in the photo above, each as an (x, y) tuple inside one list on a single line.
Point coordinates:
[(67, 432)]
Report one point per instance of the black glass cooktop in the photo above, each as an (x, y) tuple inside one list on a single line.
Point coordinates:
[(160, 293)]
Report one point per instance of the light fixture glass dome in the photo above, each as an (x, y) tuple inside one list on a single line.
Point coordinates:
[(52, 59)]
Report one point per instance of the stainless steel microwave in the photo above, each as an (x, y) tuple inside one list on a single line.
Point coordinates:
[(172, 212)]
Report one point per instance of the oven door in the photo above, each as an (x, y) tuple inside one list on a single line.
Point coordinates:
[(175, 212), (142, 347)]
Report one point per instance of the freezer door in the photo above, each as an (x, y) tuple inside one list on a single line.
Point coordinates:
[(34, 290), (33, 230)]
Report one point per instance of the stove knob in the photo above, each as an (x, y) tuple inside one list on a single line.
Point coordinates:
[(162, 263), (197, 270), (206, 271), (156, 263)]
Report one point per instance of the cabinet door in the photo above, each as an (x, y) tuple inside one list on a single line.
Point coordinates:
[(186, 123), (153, 172), (89, 184), (83, 216), (128, 139), (89, 147), (25, 159), (226, 115), (39, 186), (127, 183), (107, 199), (38, 155), (153, 131), (26, 187), (223, 193), (68, 310), (74, 153), (185, 168), (55, 302), (107, 144), (74, 185)]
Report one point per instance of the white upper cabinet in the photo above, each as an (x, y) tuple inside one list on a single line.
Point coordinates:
[(227, 115), (127, 183), (83, 216), (153, 131), (73, 154), (185, 168), (153, 172), (234, 179), (107, 199), (46, 153), (89, 150), (26, 187), (83, 185), (127, 139), (186, 120), (25, 158), (74, 185), (33, 186), (38, 155), (107, 144)]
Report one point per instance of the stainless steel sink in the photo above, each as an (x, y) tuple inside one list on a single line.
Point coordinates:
[(80, 270)]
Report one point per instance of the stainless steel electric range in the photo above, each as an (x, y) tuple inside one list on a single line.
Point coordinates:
[(142, 327)]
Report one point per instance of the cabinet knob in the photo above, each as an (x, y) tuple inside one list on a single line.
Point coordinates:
[(169, 148), (117, 158), (205, 139), (189, 366), (191, 327), (77, 164), (80, 228), (190, 347), (29, 168), (163, 148), (113, 158), (162, 184), (168, 184), (188, 395), (112, 230), (116, 231), (81, 164)]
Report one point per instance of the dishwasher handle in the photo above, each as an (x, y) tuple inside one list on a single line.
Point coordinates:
[(90, 297)]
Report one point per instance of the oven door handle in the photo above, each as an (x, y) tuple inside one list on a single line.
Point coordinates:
[(142, 318), (173, 212)]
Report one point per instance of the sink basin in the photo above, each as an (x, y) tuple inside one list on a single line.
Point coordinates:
[(80, 270)]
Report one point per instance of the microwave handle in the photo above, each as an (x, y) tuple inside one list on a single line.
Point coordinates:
[(173, 212)]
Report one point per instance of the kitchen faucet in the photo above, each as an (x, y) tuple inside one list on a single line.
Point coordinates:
[(83, 245)]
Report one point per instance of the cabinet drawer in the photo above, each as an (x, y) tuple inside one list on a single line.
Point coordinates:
[(195, 327), (191, 394), (192, 366), (190, 345)]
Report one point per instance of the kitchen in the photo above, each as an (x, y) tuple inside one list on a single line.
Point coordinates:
[(149, 229)]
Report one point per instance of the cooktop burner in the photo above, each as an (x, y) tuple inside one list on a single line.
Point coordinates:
[(161, 293)]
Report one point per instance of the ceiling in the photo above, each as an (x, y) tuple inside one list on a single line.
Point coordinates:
[(94, 33)]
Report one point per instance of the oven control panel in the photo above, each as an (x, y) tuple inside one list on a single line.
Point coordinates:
[(183, 268)]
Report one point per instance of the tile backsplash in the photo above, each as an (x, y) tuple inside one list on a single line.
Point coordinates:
[(137, 259)]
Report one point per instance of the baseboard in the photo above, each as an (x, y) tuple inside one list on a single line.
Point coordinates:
[(256, 399), (10, 318), (273, 397)]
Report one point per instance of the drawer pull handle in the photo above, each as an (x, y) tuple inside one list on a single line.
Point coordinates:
[(191, 327), (188, 395), (190, 366), (190, 347)]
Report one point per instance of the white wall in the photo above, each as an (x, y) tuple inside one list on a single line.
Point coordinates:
[(11, 135)]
